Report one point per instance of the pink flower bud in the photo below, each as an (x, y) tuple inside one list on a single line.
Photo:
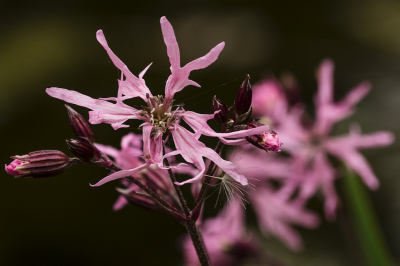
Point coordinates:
[(218, 105), (267, 140), (39, 164), (79, 125)]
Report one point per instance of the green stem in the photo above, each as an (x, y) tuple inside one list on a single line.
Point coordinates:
[(365, 223)]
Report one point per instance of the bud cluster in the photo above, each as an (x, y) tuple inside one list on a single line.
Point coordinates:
[(241, 107), (47, 163), (83, 147)]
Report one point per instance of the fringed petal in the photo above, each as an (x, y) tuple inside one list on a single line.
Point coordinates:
[(120, 174), (179, 77)]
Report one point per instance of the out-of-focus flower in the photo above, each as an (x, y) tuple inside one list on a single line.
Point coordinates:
[(159, 116), (39, 164), (310, 145), (269, 101), (226, 239), (276, 214), (268, 140)]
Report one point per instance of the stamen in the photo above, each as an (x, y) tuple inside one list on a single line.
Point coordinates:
[(152, 119)]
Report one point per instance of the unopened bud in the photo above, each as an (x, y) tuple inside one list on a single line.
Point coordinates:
[(79, 125), (242, 104), (138, 198), (267, 140), (218, 105), (84, 150), (39, 164)]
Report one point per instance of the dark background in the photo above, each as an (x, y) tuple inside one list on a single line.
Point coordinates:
[(63, 221)]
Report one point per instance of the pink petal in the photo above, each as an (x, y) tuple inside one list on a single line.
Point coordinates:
[(198, 122), (356, 162), (103, 112), (358, 141), (137, 86), (324, 171), (147, 142), (193, 150), (120, 203), (171, 43), (275, 215), (179, 77), (108, 150), (345, 148), (356, 94), (325, 82), (156, 149), (205, 60), (257, 166), (132, 141), (120, 174)]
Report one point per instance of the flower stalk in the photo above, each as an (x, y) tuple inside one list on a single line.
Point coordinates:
[(182, 200)]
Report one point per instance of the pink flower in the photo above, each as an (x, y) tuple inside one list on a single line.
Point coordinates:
[(225, 238), (310, 145), (159, 115), (275, 212)]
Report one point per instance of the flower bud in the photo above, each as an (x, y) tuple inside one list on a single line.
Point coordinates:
[(137, 198), (267, 140), (79, 125), (218, 105), (84, 150), (242, 104), (39, 164)]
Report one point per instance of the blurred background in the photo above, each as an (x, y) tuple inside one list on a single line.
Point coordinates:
[(63, 221)]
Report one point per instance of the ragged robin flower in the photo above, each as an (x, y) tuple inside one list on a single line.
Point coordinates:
[(160, 115)]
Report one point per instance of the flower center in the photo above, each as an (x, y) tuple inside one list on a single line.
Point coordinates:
[(159, 115)]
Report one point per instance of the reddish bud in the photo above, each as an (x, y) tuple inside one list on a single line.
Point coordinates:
[(39, 164), (267, 140), (218, 105), (79, 125), (84, 150), (242, 104)]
